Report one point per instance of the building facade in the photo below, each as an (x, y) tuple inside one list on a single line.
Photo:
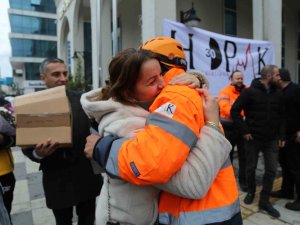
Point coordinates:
[(119, 24), (94, 30), (33, 38)]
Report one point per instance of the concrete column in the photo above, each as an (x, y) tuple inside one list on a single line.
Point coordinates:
[(95, 26), (153, 13), (106, 37), (257, 19), (272, 26), (101, 40)]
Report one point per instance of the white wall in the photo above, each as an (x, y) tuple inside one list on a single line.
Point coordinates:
[(129, 13)]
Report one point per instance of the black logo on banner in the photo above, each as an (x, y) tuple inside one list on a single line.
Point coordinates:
[(214, 53), (228, 54)]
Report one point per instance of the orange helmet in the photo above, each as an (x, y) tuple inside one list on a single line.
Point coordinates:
[(170, 52)]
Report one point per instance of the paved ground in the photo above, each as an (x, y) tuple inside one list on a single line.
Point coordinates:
[(29, 203)]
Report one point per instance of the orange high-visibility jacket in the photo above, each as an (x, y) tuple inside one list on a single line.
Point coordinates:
[(160, 150), (226, 98)]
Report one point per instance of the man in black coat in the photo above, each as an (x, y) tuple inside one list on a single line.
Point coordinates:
[(68, 177), (289, 156), (263, 130)]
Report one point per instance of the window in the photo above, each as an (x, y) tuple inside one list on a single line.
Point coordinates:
[(32, 71), (119, 35), (47, 6), (283, 40), (35, 2), (230, 4), (298, 49), (88, 53), (33, 48), (32, 25), (230, 17)]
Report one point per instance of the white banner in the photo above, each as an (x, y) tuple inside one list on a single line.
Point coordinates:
[(218, 55)]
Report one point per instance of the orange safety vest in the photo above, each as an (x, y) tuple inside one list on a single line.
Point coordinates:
[(160, 150), (226, 98)]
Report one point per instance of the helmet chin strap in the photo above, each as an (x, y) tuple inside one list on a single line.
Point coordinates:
[(164, 68), (176, 61)]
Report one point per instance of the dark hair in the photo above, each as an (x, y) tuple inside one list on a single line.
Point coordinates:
[(124, 70), (233, 72), (267, 69), (284, 74), (44, 64)]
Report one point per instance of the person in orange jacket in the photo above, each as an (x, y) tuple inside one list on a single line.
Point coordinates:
[(160, 149), (226, 98)]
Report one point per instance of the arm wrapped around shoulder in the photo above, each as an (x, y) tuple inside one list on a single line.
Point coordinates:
[(197, 174)]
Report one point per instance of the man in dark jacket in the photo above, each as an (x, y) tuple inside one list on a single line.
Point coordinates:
[(68, 176), (262, 129), (289, 156)]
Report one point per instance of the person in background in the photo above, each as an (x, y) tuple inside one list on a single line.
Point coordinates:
[(7, 178), (289, 155), (263, 130), (226, 98), (4, 216), (68, 177)]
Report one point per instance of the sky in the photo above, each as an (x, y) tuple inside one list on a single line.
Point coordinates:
[(5, 50)]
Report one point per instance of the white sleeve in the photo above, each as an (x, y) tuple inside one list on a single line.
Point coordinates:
[(203, 163)]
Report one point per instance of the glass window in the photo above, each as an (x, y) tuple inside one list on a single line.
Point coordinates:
[(33, 48), (298, 52), (230, 17), (32, 25), (35, 2), (283, 38), (298, 72), (34, 5), (230, 4), (298, 21), (87, 52), (298, 32), (230, 23), (32, 71)]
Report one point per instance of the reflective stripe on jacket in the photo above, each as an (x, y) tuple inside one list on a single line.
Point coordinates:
[(220, 203), (226, 98)]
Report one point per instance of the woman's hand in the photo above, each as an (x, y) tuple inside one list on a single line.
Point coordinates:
[(186, 79), (210, 106), (91, 141)]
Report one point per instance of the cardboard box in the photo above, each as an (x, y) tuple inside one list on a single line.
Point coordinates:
[(42, 115)]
